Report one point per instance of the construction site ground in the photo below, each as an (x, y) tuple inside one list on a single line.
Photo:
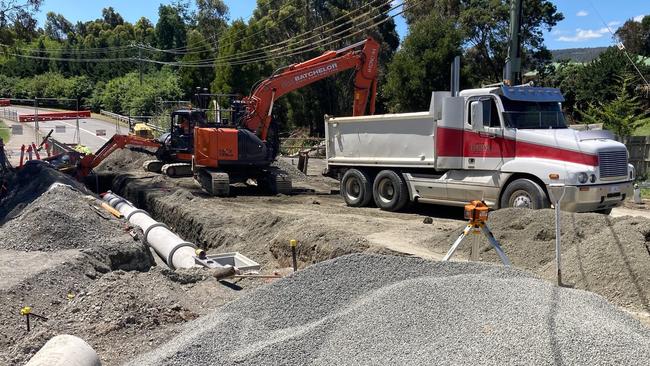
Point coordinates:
[(107, 288)]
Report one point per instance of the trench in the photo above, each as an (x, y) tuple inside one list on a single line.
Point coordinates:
[(255, 232)]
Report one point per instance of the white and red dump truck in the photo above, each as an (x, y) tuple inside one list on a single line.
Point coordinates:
[(501, 144)]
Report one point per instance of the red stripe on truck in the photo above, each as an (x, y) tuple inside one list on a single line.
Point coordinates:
[(456, 143)]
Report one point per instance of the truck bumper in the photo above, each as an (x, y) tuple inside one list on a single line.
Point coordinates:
[(596, 197)]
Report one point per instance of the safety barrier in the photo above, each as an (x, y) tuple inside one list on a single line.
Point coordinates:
[(53, 116), (5, 102)]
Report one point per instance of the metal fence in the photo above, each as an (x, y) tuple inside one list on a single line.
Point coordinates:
[(639, 148), (131, 120)]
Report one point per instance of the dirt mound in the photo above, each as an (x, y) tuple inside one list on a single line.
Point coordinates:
[(366, 309), (62, 218), (291, 169), (29, 183), (121, 314), (124, 160), (609, 256)]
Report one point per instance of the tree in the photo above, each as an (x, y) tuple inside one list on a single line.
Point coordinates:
[(170, 30), (485, 25), (623, 115), (418, 68), (111, 17), (192, 77), (57, 26), (211, 18), (636, 36)]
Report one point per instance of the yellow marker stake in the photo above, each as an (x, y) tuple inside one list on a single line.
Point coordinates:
[(25, 310), (294, 243)]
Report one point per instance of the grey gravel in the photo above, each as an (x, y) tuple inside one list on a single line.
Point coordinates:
[(371, 309)]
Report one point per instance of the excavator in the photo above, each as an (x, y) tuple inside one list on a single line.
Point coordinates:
[(243, 147)]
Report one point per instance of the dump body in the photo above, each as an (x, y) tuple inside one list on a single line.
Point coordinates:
[(477, 144)]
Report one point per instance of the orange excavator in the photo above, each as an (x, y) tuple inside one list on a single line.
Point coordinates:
[(243, 147)]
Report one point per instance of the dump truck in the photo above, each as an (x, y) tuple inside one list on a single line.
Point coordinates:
[(501, 144)]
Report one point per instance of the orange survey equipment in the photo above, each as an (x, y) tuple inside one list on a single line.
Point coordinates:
[(476, 212)]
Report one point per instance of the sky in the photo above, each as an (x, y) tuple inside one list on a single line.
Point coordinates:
[(587, 23)]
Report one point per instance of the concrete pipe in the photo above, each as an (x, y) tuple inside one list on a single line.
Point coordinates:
[(65, 350), (176, 252)]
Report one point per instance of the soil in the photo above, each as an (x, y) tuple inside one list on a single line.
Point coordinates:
[(98, 281), (81, 268)]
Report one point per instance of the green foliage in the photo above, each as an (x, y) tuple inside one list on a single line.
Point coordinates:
[(125, 95), (484, 24), (636, 36), (623, 115), (417, 68)]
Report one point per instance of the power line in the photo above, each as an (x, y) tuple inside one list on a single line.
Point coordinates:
[(224, 61), (621, 46), (268, 58)]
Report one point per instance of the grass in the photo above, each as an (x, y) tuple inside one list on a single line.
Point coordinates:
[(643, 130), (645, 192), (4, 132)]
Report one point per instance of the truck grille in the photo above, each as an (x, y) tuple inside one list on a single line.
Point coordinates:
[(612, 163)]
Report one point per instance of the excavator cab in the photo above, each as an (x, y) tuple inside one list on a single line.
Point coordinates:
[(180, 139)]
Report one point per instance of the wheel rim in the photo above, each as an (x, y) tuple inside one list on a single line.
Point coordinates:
[(386, 190), (353, 188), (521, 199)]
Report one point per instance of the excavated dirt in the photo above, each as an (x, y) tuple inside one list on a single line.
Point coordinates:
[(609, 256), (78, 266)]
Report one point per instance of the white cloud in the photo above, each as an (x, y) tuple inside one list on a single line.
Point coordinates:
[(582, 13), (613, 23), (584, 35), (639, 18)]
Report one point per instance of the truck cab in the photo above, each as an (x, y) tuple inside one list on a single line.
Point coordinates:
[(504, 145)]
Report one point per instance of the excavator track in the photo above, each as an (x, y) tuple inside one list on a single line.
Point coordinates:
[(153, 166), (214, 182), (276, 181), (176, 170)]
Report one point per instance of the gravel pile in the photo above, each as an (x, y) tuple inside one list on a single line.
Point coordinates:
[(369, 309), (61, 218), (606, 255)]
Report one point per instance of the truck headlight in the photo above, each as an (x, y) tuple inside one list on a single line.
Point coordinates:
[(592, 178), (583, 178)]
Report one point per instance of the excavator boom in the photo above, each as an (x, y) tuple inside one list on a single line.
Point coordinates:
[(91, 161), (259, 104)]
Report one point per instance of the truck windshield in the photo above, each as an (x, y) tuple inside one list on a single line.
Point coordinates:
[(532, 115)]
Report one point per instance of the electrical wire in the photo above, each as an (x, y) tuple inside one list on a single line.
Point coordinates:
[(303, 49), (621, 43), (295, 40), (224, 61)]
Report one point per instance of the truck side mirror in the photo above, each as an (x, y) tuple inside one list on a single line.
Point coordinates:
[(477, 115)]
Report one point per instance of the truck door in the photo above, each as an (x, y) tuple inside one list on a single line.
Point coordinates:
[(483, 147)]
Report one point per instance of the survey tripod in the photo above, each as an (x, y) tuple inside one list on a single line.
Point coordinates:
[(477, 213)]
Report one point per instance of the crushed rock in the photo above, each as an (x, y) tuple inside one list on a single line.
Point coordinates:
[(600, 253), (369, 309)]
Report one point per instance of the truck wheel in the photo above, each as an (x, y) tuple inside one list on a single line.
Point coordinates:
[(524, 193), (390, 191), (356, 188)]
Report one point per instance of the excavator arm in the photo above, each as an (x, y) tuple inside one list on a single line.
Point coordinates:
[(89, 162), (259, 104)]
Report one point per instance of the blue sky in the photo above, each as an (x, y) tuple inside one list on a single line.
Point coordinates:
[(582, 27)]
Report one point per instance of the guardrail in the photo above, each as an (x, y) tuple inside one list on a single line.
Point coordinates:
[(132, 119)]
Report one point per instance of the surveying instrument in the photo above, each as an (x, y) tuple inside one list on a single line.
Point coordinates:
[(477, 214)]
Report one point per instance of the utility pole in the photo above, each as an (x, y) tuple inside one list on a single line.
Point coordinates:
[(140, 62), (512, 69)]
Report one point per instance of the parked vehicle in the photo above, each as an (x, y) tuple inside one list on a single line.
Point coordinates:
[(502, 144)]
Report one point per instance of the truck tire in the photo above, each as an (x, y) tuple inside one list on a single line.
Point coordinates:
[(356, 188), (390, 191), (524, 193)]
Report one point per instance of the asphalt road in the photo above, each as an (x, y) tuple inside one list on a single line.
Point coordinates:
[(90, 129)]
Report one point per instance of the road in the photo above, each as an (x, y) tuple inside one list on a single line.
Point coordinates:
[(88, 131)]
